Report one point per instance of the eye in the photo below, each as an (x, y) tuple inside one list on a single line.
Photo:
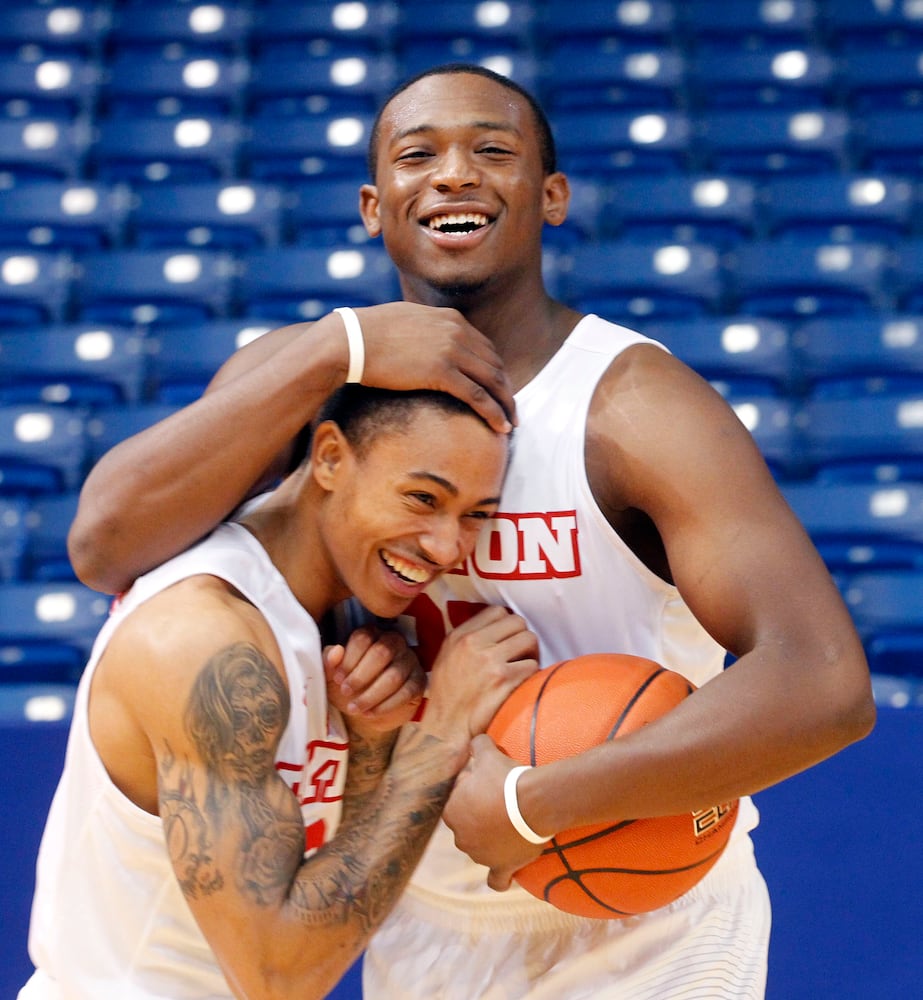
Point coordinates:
[(414, 154), (496, 150), (424, 498), (479, 515)]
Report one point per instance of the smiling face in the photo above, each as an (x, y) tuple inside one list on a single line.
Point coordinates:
[(407, 505), (461, 194)]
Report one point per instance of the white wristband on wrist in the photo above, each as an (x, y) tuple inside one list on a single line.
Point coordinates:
[(355, 342), (511, 800)]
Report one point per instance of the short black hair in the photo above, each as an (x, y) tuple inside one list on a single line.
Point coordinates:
[(545, 135), (363, 412)]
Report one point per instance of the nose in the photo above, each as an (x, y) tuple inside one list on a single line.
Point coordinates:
[(455, 170), (442, 542)]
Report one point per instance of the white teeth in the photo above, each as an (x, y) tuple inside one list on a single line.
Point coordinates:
[(405, 570), (465, 220)]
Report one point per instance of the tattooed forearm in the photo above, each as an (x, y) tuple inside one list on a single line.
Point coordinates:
[(359, 875)]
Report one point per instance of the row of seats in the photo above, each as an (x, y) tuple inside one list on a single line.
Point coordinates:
[(103, 364), (584, 72), (620, 279), (591, 143), (721, 210), (872, 438), (47, 626), (90, 24)]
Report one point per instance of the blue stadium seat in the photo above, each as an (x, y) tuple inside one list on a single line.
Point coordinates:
[(907, 275), (186, 357), (878, 346), (839, 207), (325, 212), (302, 84), (327, 28), (35, 285), (223, 26), (42, 449), (76, 26), (749, 23), (888, 141), (849, 23), (761, 142), (629, 281), (51, 626), (78, 364), (152, 148), (687, 207), (14, 538), (630, 23), (146, 286), (887, 607), (65, 214), (211, 214), (801, 278), (785, 77), (60, 85), (48, 521), (750, 355), (590, 73), (145, 84), (875, 77), (858, 526), (35, 148), (304, 283), (864, 438), (609, 142), (510, 21), (287, 147), (111, 424)]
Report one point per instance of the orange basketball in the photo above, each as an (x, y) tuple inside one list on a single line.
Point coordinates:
[(617, 870)]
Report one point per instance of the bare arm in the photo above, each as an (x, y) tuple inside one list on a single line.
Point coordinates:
[(280, 925), (154, 494), (661, 441)]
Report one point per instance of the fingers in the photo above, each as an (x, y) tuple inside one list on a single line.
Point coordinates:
[(377, 673), (413, 346)]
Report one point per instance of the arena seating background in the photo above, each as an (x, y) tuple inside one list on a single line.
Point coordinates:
[(176, 178)]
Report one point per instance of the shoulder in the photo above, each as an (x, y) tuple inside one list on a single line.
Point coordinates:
[(156, 653)]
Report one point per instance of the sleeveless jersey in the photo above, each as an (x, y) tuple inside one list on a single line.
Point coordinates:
[(550, 555), (109, 920)]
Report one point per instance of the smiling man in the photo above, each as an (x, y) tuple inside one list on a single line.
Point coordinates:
[(221, 827), (637, 516)]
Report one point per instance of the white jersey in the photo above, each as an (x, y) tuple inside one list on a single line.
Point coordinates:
[(550, 555), (109, 920)]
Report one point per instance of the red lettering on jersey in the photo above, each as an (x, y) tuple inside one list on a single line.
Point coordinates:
[(528, 546), (314, 835), (322, 770)]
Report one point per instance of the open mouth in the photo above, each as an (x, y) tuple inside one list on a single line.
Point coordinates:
[(406, 571), (458, 223)]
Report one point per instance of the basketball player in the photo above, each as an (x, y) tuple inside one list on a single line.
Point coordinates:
[(638, 517), (207, 839)]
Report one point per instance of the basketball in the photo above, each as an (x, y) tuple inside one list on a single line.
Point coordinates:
[(618, 870)]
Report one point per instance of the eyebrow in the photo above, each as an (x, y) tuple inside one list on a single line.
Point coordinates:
[(450, 487), (488, 125)]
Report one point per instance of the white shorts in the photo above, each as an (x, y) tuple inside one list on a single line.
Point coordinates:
[(712, 944)]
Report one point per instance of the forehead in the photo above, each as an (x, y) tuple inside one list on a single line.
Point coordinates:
[(455, 447), (456, 99)]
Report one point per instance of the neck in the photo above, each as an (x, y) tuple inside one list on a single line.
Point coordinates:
[(286, 526), (526, 328)]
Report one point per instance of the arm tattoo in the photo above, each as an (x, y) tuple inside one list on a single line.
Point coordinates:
[(235, 716)]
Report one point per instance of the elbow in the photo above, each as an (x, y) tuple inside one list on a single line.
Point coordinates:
[(853, 704), (88, 544)]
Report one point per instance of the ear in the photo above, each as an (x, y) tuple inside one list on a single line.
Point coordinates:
[(368, 209), (556, 198), (330, 453)]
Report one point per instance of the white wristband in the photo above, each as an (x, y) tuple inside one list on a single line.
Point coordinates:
[(512, 807), (355, 343)]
